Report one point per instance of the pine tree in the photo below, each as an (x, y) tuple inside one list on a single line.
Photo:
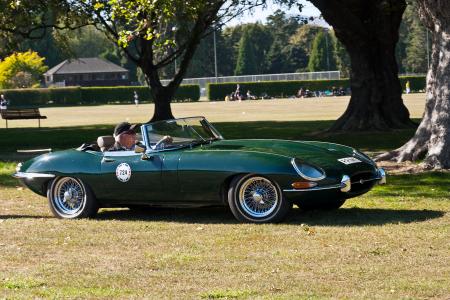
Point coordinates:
[(321, 58), (246, 64)]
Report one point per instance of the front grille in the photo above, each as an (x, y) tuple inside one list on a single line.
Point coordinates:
[(362, 182)]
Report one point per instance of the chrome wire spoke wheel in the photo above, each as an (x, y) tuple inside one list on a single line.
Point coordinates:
[(258, 197), (69, 197)]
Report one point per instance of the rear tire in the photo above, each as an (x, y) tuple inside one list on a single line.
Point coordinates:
[(70, 198), (256, 199)]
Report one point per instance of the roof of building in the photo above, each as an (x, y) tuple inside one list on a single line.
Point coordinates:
[(85, 65)]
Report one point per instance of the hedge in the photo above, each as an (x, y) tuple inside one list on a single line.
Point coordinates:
[(91, 95), (124, 94), (283, 89), (417, 83)]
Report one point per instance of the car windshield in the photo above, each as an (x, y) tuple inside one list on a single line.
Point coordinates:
[(177, 133)]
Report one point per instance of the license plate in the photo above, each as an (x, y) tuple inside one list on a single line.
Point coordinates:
[(349, 160)]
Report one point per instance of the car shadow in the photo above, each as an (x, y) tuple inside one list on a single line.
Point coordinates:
[(219, 215), (362, 216)]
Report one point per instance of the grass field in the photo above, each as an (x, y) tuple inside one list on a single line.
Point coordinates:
[(309, 109), (392, 243)]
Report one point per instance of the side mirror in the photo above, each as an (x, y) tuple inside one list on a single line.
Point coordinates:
[(139, 148)]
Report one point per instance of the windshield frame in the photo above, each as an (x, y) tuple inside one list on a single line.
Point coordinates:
[(201, 140)]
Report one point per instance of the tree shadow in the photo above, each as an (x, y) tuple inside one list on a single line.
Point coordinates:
[(220, 215)]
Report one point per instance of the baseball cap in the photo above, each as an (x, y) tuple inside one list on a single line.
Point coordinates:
[(123, 127)]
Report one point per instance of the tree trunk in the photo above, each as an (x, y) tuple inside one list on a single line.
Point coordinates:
[(162, 97), (432, 138), (369, 32)]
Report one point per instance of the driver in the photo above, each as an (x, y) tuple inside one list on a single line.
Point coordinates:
[(125, 136)]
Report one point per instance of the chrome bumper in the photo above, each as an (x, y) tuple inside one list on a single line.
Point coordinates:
[(345, 185), (26, 175)]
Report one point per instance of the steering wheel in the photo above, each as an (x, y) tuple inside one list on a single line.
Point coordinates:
[(167, 139)]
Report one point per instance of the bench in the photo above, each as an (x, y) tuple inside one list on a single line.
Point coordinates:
[(21, 114)]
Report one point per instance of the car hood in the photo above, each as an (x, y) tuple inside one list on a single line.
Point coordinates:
[(318, 153)]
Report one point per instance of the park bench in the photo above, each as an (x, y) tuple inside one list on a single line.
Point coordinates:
[(21, 114)]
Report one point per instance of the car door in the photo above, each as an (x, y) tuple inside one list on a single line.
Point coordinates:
[(128, 178)]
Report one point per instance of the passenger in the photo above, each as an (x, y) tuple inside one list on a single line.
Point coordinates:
[(125, 136)]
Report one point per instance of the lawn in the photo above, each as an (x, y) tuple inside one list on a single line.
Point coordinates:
[(392, 243)]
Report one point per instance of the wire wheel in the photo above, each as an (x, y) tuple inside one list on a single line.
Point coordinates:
[(68, 197), (258, 197)]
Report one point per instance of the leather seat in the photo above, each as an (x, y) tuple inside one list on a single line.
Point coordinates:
[(105, 142)]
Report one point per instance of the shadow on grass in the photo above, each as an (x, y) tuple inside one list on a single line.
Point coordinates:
[(432, 185), (219, 215), (72, 137)]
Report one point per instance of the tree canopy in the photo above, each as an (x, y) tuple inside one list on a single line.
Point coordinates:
[(21, 70)]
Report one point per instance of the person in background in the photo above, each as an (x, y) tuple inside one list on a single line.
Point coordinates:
[(250, 96), (3, 102), (408, 87), (136, 98)]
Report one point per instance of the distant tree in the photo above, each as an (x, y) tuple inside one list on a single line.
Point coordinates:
[(322, 54), (341, 56), (416, 42), (49, 47), (282, 28), (246, 64), (22, 69), (304, 36), (202, 64)]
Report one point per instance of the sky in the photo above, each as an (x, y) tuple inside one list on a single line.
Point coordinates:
[(260, 13)]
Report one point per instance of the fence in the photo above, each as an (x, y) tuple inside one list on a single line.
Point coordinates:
[(203, 82)]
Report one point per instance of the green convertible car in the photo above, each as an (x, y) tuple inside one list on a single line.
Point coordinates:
[(186, 162)]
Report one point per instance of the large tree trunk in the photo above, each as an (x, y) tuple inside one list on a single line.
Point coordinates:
[(163, 97), (369, 31), (432, 139)]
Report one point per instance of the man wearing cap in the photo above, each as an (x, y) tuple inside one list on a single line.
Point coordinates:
[(125, 136)]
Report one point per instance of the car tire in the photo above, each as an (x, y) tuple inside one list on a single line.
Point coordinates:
[(256, 199), (70, 198), (325, 205)]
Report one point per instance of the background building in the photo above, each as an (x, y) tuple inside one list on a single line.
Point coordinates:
[(86, 72)]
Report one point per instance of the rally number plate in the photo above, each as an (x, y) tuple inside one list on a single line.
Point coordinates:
[(349, 160)]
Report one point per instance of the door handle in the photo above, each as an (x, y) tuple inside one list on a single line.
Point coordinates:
[(106, 159)]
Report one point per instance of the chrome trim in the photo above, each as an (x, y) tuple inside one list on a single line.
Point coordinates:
[(344, 186), (362, 181), (382, 174), (346, 183), (307, 177), (317, 188), (26, 175)]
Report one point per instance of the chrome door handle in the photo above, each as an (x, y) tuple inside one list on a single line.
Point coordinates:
[(106, 159)]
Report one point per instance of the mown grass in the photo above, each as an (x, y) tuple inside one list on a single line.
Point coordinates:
[(391, 243)]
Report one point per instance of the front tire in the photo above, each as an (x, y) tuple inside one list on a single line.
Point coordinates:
[(256, 199), (70, 198)]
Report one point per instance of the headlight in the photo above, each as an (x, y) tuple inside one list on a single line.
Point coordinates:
[(307, 171)]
